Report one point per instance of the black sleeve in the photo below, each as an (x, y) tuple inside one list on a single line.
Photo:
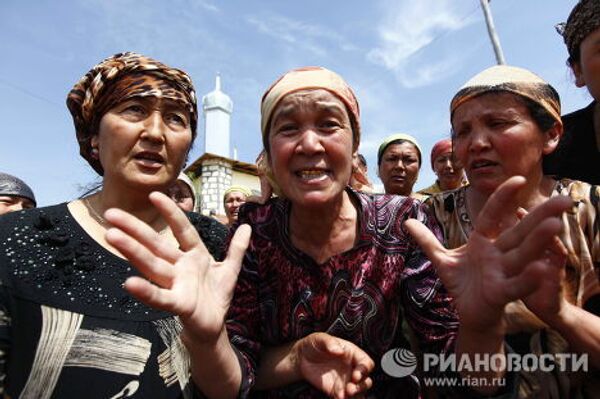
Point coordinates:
[(212, 233)]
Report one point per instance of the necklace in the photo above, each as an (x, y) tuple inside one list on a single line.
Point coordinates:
[(100, 219)]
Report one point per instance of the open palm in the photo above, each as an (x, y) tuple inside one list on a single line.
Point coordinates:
[(499, 264), (185, 281)]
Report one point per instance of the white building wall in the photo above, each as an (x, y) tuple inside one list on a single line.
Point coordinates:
[(216, 128)]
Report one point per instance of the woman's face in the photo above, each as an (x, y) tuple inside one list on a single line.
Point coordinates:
[(495, 138), (311, 147), (233, 201), (11, 204), (587, 69), (399, 168), (449, 174), (182, 195), (143, 142)]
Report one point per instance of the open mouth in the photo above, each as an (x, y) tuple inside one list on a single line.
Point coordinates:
[(148, 158), (398, 178), (312, 174)]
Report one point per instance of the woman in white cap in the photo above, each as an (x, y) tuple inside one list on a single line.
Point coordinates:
[(399, 160), (504, 121)]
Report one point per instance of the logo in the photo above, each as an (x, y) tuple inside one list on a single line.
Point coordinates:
[(399, 362)]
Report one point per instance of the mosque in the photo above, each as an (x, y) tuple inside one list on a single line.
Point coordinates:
[(217, 168)]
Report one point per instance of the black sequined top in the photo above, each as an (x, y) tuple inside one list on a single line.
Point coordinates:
[(67, 327)]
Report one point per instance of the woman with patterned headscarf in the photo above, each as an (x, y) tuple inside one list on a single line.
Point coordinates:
[(15, 194), (69, 329), (329, 272), (504, 121), (578, 154)]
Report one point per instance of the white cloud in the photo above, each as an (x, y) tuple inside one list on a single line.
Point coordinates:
[(208, 6), (310, 37), (410, 27)]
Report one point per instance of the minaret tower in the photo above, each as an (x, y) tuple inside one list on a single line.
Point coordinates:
[(217, 108), (216, 171)]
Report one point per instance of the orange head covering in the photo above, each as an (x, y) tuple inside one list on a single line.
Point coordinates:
[(441, 147), (303, 79)]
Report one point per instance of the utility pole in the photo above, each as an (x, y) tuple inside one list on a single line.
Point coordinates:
[(492, 32)]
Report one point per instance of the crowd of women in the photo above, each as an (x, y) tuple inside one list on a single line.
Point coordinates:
[(122, 294)]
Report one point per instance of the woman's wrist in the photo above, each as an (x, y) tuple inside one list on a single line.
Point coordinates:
[(564, 319)]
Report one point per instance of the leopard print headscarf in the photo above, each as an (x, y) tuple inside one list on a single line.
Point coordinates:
[(583, 20), (118, 78)]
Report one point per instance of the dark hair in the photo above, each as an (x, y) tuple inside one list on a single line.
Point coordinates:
[(362, 160), (543, 119), (399, 141)]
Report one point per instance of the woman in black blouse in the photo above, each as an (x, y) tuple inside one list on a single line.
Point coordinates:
[(67, 327)]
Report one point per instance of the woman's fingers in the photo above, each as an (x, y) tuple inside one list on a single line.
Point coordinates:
[(500, 205), (237, 247), (523, 284), (150, 265), (552, 208), (182, 229), (353, 389), (535, 246), (150, 294), (428, 242), (142, 233)]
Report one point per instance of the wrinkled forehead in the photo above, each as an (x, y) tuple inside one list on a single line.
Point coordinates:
[(235, 195), (316, 100), (401, 147)]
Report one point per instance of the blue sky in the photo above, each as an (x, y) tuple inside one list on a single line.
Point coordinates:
[(405, 60)]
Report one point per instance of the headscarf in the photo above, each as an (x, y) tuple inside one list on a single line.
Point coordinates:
[(297, 80), (309, 78), (12, 186), (504, 78), (395, 137), (583, 20), (440, 148), (238, 189), (188, 182), (120, 77)]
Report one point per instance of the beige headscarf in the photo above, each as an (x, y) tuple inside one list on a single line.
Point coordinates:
[(303, 79), (504, 78)]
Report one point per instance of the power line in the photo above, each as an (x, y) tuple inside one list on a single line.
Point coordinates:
[(29, 93)]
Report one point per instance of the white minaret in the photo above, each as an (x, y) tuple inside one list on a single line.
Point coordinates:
[(217, 108)]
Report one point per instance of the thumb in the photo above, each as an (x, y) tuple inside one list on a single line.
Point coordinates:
[(326, 343), (428, 242)]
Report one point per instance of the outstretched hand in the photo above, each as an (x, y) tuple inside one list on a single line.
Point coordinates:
[(337, 367), (186, 281), (499, 264), (549, 300)]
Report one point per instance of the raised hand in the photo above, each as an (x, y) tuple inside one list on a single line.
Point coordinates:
[(335, 366), (499, 264), (548, 300), (185, 281)]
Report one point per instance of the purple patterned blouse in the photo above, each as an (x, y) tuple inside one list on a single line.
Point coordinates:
[(361, 295)]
